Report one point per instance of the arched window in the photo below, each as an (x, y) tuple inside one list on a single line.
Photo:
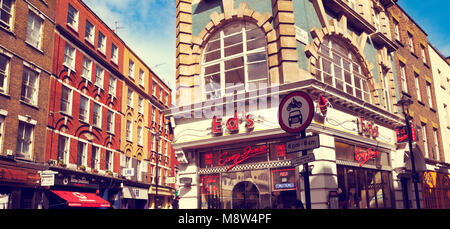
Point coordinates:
[(234, 59), (339, 67)]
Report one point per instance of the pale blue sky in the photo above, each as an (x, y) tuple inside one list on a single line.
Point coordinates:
[(148, 27), (433, 17)]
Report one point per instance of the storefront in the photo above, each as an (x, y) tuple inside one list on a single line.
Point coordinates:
[(134, 197), (436, 190)]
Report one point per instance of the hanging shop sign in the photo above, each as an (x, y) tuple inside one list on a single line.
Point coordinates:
[(367, 128), (402, 133), (232, 124), (323, 105), (284, 179), (363, 156), (295, 112)]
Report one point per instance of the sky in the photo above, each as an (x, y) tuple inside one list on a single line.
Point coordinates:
[(433, 17), (148, 27)]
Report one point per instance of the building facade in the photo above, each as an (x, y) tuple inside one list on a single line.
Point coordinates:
[(237, 59), (417, 82), (437, 184), (26, 51)]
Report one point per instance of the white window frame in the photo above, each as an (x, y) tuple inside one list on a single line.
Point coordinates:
[(72, 21), (129, 130), (417, 85), (109, 160), (97, 115), (329, 54), (114, 53), (403, 77), (430, 98), (84, 117), (140, 105), (65, 150), (89, 34), (140, 135), (101, 45), (396, 30), (83, 153), (411, 43), (131, 67), (9, 12), (69, 56), (86, 71), (34, 29), (96, 160), (130, 95), (99, 76), (422, 52), (2, 131), (110, 122), (5, 73), (112, 85), (27, 86), (424, 139), (68, 101), (436, 144), (141, 77), (22, 139)]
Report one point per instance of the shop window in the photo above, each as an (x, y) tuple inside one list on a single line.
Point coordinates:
[(360, 188), (235, 59), (340, 68)]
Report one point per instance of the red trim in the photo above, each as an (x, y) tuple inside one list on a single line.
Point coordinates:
[(310, 114), (82, 199)]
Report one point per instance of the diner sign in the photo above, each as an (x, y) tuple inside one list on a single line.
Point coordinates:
[(233, 159), (363, 156)]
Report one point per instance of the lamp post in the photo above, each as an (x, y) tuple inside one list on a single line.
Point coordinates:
[(157, 157), (405, 102)]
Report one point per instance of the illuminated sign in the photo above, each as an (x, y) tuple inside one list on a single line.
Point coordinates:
[(284, 179), (232, 124), (367, 128), (363, 156), (227, 158), (402, 133), (210, 185)]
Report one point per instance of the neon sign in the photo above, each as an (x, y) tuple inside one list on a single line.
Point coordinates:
[(402, 133), (237, 158), (232, 124), (364, 156), (210, 185)]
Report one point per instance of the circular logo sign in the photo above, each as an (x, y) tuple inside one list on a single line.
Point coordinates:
[(295, 112)]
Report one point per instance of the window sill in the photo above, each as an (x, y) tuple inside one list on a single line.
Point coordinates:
[(420, 102), (426, 65), (73, 28), (400, 42), (414, 54), (5, 95), (433, 110), (35, 48), (8, 30), (91, 43), (66, 114), (72, 69), (102, 52), (29, 104)]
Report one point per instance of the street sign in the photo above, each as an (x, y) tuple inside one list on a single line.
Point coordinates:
[(307, 143), (128, 172), (295, 112), (303, 159), (47, 177)]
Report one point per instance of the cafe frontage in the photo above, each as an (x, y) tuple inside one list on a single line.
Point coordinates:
[(239, 160)]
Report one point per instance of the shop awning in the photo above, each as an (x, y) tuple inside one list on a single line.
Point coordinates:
[(82, 199)]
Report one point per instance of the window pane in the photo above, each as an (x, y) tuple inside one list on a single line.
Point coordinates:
[(328, 79), (234, 63), (337, 72), (257, 71), (254, 44), (235, 49), (346, 65), (213, 45), (212, 82), (234, 39), (339, 84), (232, 28), (326, 66), (212, 56), (260, 56)]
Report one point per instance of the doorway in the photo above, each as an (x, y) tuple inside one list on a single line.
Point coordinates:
[(245, 196)]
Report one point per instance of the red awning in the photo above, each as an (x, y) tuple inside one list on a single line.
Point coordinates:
[(82, 199)]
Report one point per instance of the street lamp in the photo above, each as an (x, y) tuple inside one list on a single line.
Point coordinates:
[(405, 102), (157, 157)]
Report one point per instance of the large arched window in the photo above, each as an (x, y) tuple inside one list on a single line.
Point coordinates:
[(234, 59), (339, 67)]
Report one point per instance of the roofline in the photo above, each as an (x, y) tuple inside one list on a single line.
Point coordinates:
[(439, 53), (123, 42), (410, 18)]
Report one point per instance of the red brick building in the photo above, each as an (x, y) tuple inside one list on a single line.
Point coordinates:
[(84, 121), (26, 38)]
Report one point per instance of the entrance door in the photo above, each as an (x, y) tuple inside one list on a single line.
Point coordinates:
[(245, 196)]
